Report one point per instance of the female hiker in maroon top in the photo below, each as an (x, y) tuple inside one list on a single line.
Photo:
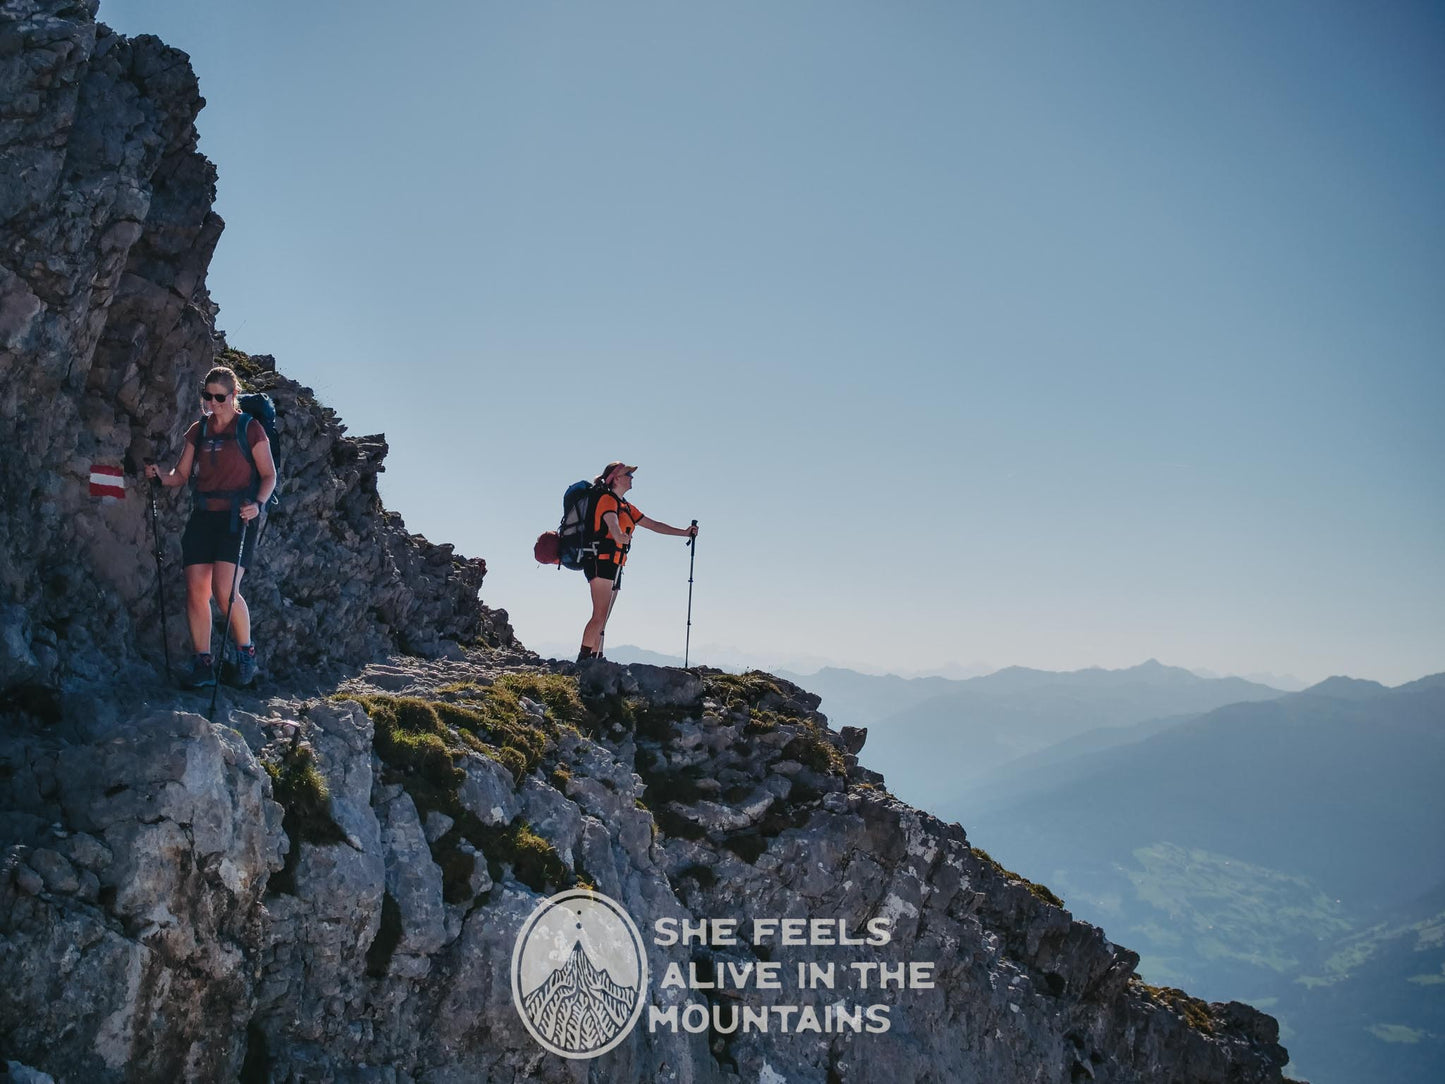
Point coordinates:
[(229, 496), (613, 521)]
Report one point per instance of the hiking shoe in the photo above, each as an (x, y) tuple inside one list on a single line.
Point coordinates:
[(202, 674), (245, 664), (585, 654)]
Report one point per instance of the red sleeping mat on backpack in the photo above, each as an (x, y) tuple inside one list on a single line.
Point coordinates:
[(546, 550)]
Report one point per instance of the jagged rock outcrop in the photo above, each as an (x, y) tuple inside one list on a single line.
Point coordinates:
[(367, 936), (106, 328), (331, 887)]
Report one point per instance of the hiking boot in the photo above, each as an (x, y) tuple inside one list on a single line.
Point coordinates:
[(586, 654), (202, 674), (245, 664)]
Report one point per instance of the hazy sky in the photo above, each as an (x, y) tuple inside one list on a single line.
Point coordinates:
[(1052, 334)]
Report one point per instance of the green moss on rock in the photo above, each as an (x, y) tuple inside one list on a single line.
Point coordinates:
[(1195, 1011), (421, 741), (812, 749), (299, 788), (753, 689), (1041, 892), (297, 784)]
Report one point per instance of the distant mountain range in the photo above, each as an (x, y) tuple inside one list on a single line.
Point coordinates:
[(973, 728), (1345, 775), (736, 660), (1289, 853)]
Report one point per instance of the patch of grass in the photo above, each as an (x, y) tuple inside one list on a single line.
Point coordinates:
[(515, 761), (760, 722), (298, 786), (411, 738), (558, 692), (253, 376), (754, 689), (388, 936), (812, 750), (581, 878), (420, 742), (1041, 892), (420, 737), (1194, 1010), (534, 861)]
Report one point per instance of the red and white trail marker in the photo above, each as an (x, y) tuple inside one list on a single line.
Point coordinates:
[(106, 481)]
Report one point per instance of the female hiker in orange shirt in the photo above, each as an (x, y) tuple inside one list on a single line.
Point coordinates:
[(613, 521)]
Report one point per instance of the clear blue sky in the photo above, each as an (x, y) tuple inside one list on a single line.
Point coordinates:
[(1051, 334)]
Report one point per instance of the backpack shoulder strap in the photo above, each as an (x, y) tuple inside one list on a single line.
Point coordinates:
[(243, 421)]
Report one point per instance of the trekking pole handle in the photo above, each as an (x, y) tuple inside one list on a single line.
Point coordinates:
[(691, 538)]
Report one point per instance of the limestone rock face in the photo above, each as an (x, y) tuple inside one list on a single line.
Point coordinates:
[(170, 909), (154, 848), (106, 329)]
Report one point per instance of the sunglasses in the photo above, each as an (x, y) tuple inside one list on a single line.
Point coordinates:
[(205, 395)]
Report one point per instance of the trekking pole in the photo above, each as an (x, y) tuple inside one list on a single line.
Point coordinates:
[(687, 645), (160, 579), (226, 630), (611, 602)]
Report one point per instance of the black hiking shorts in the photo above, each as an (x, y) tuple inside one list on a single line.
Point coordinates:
[(209, 538), (597, 568)]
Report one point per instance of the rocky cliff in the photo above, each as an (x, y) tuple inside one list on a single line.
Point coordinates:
[(334, 881), (106, 329)]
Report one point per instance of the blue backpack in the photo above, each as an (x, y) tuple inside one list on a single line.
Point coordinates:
[(575, 537)]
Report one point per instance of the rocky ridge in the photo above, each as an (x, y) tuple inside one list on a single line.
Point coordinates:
[(326, 884), (330, 889)]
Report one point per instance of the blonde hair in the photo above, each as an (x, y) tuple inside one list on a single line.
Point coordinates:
[(225, 376)]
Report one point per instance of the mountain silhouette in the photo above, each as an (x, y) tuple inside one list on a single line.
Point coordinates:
[(578, 1007), (932, 749)]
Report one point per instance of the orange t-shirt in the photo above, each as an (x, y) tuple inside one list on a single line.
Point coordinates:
[(628, 517), (220, 464)]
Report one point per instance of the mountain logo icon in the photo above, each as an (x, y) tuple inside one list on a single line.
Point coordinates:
[(579, 972)]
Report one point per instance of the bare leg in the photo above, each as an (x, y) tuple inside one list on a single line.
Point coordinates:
[(601, 600), (240, 612), (198, 607)]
